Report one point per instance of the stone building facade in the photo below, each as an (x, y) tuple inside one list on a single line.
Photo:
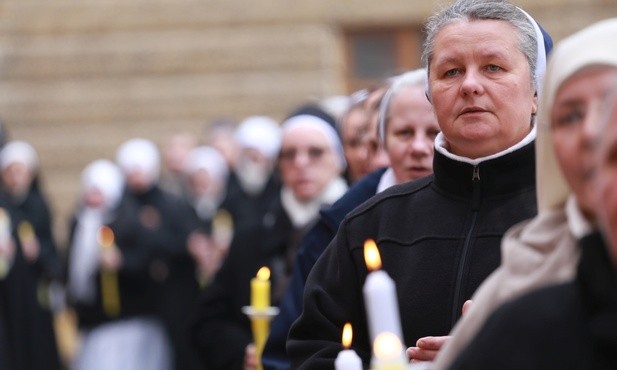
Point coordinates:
[(79, 77)]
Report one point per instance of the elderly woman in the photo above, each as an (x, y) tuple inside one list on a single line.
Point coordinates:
[(439, 236), (571, 325), (310, 163), (543, 250)]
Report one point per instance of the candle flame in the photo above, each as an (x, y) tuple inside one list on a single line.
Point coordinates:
[(105, 236), (371, 255), (263, 273), (347, 335), (387, 346)]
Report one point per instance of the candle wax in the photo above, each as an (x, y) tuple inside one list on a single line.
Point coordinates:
[(381, 305), (260, 293), (348, 359)]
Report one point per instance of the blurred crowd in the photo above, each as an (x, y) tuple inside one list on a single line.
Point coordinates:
[(165, 237)]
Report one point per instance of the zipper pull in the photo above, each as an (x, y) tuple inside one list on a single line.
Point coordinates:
[(475, 196), (476, 174)]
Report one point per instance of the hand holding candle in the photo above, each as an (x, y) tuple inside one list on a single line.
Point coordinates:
[(27, 238), (110, 294), (5, 243), (347, 359)]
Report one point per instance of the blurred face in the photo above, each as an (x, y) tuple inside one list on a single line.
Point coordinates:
[(17, 178), (307, 163), (481, 88), (411, 128), (575, 118), (176, 150), (354, 129), (377, 155), (606, 180)]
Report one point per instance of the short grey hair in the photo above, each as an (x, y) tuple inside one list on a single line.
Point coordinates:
[(471, 10), (417, 77)]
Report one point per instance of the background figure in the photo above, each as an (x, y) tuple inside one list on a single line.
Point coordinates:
[(36, 263), (175, 150), (220, 135), (165, 223), (353, 127), (408, 121), (253, 184), (581, 315), (439, 236), (310, 162), (206, 171), (130, 338)]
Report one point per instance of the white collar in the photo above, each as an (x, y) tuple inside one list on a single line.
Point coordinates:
[(441, 146)]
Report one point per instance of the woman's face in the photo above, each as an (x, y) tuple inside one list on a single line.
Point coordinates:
[(480, 87), (606, 180), (410, 134), (307, 163), (574, 121)]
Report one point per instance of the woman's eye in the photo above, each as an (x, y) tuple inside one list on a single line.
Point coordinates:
[(568, 119), (493, 68), (451, 72)]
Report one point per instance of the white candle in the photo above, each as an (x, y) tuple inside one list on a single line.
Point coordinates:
[(380, 296), (347, 359)]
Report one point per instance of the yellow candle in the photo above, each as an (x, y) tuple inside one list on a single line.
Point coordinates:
[(25, 232), (110, 295), (260, 289)]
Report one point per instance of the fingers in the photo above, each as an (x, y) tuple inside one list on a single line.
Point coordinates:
[(431, 343), (427, 348), (418, 354), (467, 306)]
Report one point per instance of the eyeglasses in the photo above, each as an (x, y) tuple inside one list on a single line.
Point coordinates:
[(313, 154)]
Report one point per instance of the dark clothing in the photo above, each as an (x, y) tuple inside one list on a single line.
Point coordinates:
[(313, 244), (221, 331), (134, 286), (246, 208), (439, 238), (566, 326), (26, 319), (165, 223)]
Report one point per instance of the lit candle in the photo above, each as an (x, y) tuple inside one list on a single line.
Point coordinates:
[(260, 289), (380, 296), (347, 359), (5, 238), (389, 354), (110, 295)]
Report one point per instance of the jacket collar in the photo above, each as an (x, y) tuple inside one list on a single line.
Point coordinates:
[(509, 172)]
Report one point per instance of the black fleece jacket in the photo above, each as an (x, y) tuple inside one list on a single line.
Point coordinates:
[(439, 238)]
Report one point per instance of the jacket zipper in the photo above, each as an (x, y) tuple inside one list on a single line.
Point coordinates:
[(475, 205)]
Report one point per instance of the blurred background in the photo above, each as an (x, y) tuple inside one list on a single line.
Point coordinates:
[(78, 77)]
